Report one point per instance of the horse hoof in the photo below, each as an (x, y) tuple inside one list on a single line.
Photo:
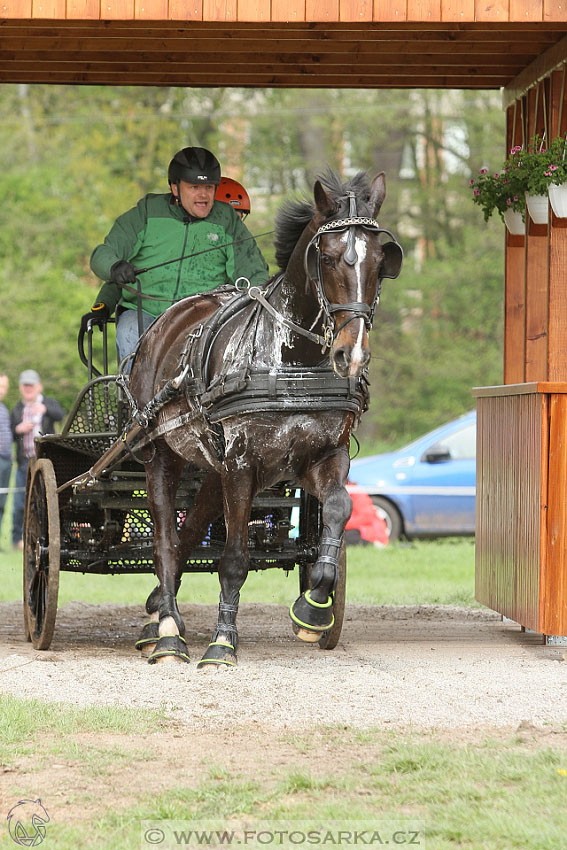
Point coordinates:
[(307, 636), (168, 659), (169, 647), (310, 617), (218, 654)]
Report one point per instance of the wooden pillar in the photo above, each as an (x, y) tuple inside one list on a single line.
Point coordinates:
[(557, 332), (515, 277), (537, 258), (535, 318)]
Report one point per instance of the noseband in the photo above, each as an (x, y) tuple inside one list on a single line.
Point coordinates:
[(313, 270)]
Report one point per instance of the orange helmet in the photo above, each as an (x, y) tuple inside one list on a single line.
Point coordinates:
[(233, 193)]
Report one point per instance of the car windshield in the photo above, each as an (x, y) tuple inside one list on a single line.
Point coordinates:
[(461, 445)]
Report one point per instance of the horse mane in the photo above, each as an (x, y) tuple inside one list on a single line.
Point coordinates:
[(294, 216)]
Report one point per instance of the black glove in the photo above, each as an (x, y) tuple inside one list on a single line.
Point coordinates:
[(98, 315), (123, 272)]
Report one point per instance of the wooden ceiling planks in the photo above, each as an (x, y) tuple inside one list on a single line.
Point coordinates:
[(130, 46)]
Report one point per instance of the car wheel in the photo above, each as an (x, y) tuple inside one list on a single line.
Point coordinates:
[(391, 515)]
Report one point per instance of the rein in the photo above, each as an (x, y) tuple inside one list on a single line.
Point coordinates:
[(137, 291)]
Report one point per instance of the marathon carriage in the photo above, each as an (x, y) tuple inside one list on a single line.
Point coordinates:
[(213, 456)]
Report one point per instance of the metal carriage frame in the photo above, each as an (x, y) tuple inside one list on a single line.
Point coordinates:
[(106, 528)]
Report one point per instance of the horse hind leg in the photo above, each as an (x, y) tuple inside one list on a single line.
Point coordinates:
[(206, 507), (221, 651), (233, 570), (162, 477), (149, 636)]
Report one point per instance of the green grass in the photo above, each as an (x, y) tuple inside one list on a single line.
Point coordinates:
[(422, 572), (498, 791)]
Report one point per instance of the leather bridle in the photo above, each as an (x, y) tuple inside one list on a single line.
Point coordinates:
[(313, 269)]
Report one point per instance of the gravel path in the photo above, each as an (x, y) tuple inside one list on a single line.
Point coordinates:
[(425, 666)]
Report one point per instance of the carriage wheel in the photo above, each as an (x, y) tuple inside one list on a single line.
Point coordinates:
[(330, 639), (41, 553)]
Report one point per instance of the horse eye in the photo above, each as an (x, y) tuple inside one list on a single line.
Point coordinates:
[(327, 259)]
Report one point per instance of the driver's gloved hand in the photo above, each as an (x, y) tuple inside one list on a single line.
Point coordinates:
[(123, 272), (98, 316)]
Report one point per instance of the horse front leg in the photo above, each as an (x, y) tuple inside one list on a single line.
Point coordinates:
[(162, 476), (312, 612), (238, 492)]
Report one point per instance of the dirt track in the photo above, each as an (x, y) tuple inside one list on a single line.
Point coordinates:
[(426, 666)]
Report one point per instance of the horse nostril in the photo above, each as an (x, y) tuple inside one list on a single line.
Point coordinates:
[(341, 360)]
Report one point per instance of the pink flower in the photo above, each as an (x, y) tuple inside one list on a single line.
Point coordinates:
[(476, 192), (553, 167), (471, 182), (483, 171), (496, 176)]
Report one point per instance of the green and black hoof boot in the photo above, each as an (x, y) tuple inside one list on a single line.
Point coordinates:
[(220, 653), (169, 647), (310, 619), (149, 637)]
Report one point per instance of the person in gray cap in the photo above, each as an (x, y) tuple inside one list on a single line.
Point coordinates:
[(33, 415), (186, 240)]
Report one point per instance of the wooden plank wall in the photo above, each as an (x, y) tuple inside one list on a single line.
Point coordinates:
[(510, 498), (521, 515), (498, 11), (535, 320)]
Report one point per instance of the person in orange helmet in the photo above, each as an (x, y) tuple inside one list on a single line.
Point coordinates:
[(232, 192)]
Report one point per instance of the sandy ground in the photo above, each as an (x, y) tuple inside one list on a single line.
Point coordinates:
[(423, 666)]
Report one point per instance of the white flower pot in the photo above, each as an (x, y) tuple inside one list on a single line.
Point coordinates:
[(558, 199), (514, 222), (538, 208)]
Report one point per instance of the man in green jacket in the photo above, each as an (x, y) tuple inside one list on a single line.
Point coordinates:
[(183, 226)]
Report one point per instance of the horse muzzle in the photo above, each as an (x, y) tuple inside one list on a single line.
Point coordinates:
[(350, 353)]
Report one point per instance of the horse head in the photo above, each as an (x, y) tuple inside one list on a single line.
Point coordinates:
[(345, 263)]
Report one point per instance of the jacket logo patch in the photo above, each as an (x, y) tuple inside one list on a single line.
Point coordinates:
[(214, 237)]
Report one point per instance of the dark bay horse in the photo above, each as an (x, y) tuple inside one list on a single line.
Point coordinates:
[(333, 255)]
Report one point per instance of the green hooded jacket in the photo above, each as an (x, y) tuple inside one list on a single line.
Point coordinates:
[(156, 230)]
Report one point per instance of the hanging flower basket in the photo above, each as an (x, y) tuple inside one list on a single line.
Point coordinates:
[(558, 199), (527, 172), (515, 223), (538, 208)]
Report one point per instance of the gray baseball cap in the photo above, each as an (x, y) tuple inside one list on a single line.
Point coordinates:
[(29, 376)]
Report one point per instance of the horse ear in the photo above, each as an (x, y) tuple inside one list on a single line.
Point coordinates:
[(323, 202), (377, 193)]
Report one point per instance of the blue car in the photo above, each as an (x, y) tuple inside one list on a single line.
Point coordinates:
[(426, 489)]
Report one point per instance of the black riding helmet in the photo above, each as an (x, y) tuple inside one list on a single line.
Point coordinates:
[(194, 165)]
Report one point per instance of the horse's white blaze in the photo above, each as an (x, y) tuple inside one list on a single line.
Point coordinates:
[(356, 356)]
